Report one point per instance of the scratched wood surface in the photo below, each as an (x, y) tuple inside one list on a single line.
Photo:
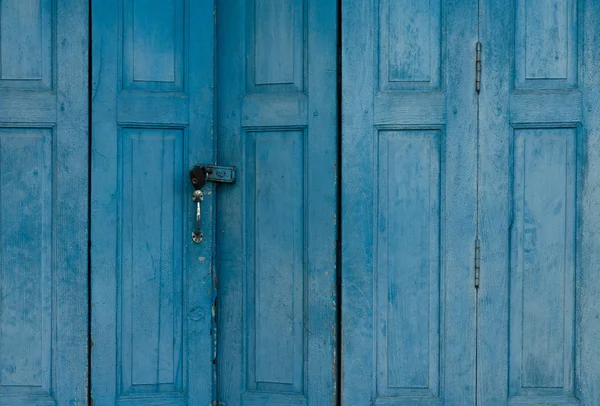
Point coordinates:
[(276, 227), (539, 201), (43, 202), (409, 155), (152, 287)]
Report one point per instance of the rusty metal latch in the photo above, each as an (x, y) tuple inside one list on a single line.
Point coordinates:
[(199, 175)]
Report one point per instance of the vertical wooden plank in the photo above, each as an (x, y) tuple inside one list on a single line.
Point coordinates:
[(358, 84), (104, 196), (321, 193), (71, 203), (493, 299), (588, 282), (495, 143), (200, 304), (459, 202), (231, 241)]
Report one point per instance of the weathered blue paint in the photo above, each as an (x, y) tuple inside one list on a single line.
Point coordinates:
[(43, 205), (409, 156), (277, 122), (420, 183), (152, 121), (538, 197)]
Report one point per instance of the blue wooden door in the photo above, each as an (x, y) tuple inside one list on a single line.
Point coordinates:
[(43, 202), (276, 227), (539, 200), (152, 121), (409, 176), (504, 181)]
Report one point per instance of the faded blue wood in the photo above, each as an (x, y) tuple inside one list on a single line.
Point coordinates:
[(27, 44), (44, 200), (545, 37), (588, 280), (409, 156), (276, 232), (409, 179), (538, 201), (152, 120)]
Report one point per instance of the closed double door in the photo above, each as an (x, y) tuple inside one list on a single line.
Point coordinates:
[(469, 202), (413, 218)]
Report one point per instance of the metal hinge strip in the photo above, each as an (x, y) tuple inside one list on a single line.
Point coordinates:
[(477, 261), (478, 67)]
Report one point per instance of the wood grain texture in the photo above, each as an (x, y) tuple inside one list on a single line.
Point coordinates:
[(276, 35), (536, 199), (546, 44), (588, 280), (410, 40), (27, 44), (542, 262), (389, 352), (408, 261), (71, 221), (43, 203), (26, 261), (277, 224), (152, 120)]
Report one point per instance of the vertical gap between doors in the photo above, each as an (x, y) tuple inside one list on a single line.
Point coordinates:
[(338, 284), (89, 265), (213, 259), (477, 244)]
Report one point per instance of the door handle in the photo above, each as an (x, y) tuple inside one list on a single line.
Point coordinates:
[(199, 175), (197, 197)]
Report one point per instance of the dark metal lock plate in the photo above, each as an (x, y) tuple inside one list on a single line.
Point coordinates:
[(199, 175)]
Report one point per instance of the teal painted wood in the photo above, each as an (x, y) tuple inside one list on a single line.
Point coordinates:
[(276, 226), (409, 156), (538, 313), (43, 205), (152, 121)]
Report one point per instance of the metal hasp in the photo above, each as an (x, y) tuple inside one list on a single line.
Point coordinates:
[(199, 175)]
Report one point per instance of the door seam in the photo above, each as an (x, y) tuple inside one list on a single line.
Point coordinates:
[(477, 262), (89, 209), (338, 281)]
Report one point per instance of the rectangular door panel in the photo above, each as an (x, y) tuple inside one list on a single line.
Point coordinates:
[(43, 202), (26, 229), (408, 285), (537, 198), (275, 250), (542, 263), (152, 122), (409, 155)]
